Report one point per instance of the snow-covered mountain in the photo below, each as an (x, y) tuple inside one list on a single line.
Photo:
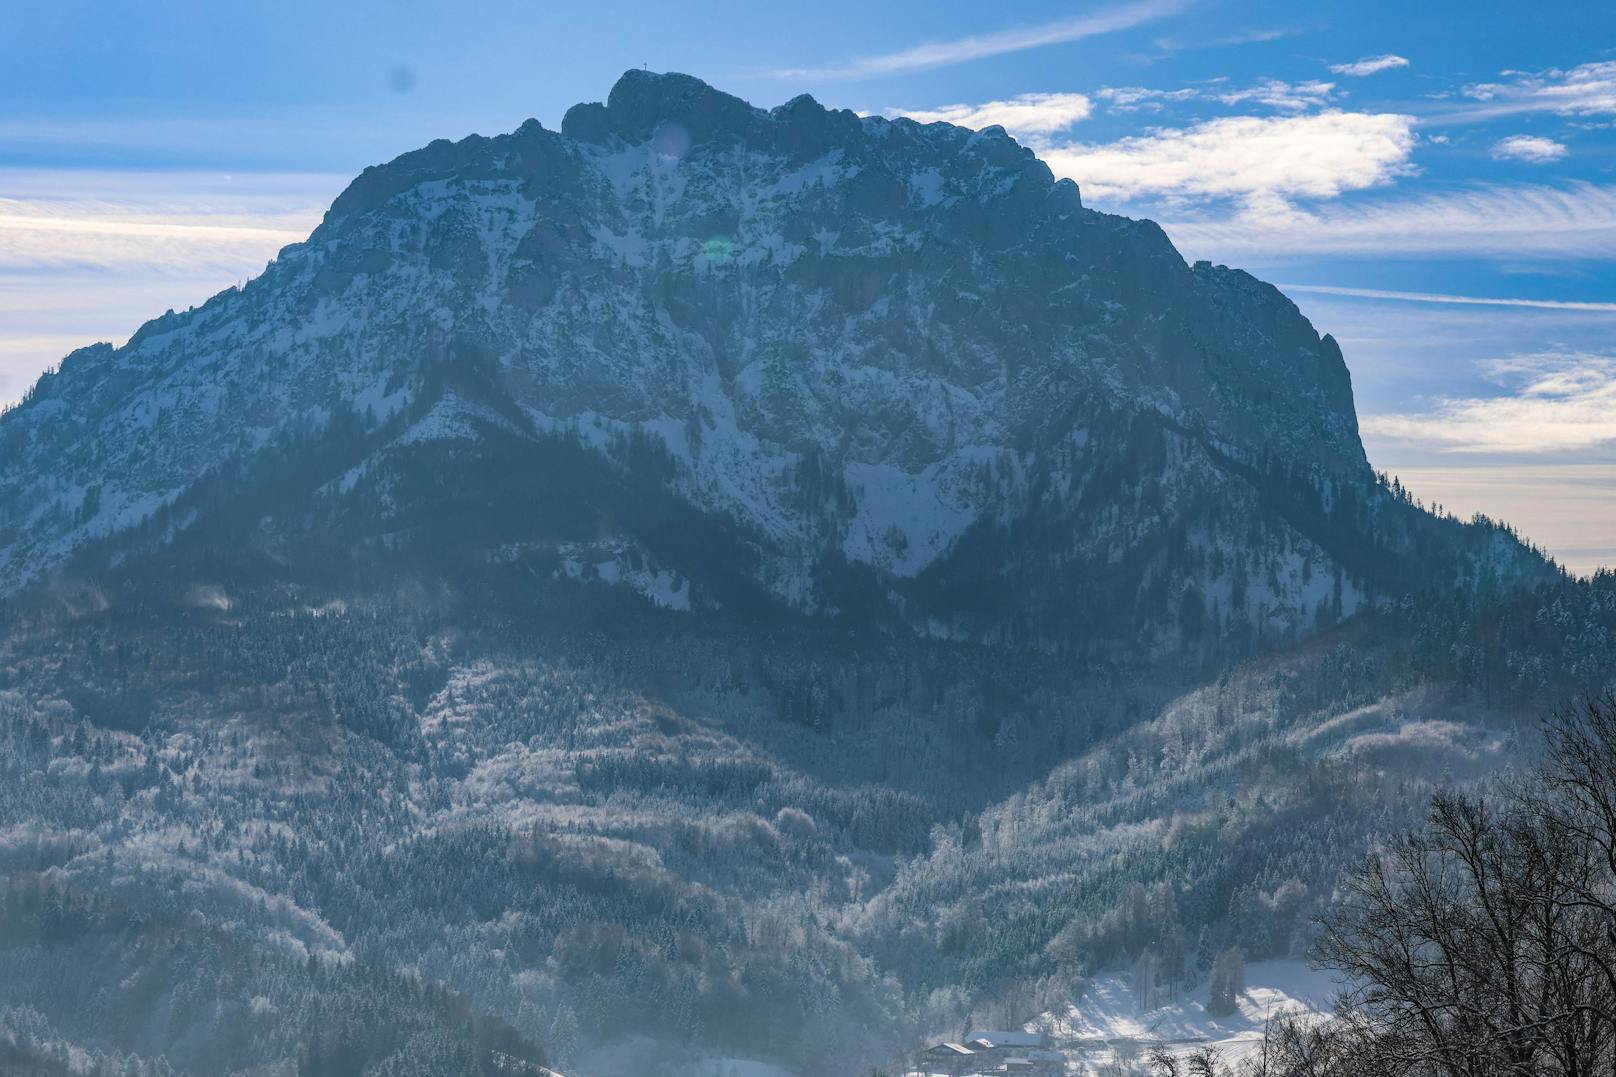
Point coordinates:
[(710, 352), (711, 589)]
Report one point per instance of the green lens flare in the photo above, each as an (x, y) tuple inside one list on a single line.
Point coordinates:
[(719, 251)]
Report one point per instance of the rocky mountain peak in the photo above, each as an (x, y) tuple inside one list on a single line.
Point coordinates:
[(644, 104), (869, 351)]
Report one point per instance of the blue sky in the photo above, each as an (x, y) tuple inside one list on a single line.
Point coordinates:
[(1434, 183)]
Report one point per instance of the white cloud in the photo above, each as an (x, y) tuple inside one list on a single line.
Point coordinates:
[(1128, 98), (980, 46), (1408, 358), (167, 222), (1286, 96), (1262, 161), (1528, 221), (1529, 148), (1554, 402), (1370, 65), (1585, 90), (49, 235), (1275, 93), (1168, 45), (1025, 114)]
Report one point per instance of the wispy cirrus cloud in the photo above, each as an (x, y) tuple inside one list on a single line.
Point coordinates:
[(1574, 221), (1025, 114), (1170, 44), (1529, 148), (162, 222), (1452, 300), (1550, 402), (1273, 93), (1417, 382), (1129, 98), (33, 234), (1370, 65), (998, 43), (1585, 90), (1276, 93), (1540, 451)]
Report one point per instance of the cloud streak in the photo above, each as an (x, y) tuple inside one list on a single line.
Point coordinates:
[(1168, 45), (1277, 94), (1576, 221), (1370, 65), (1584, 90), (1454, 300), (981, 46), (1558, 403), (1274, 93), (1129, 98), (178, 223), (1025, 114)]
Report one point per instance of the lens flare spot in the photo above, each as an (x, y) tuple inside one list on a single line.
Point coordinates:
[(671, 139), (718, 251)]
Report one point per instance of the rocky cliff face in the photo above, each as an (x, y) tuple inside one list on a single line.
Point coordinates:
[(875, 360)]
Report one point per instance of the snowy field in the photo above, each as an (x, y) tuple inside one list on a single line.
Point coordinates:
[(1107, 1026), (1108, 1020)]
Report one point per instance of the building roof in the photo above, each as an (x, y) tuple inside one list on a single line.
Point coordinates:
[(1010, 1039), (949, 1048)]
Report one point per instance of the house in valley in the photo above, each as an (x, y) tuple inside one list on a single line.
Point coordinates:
[(992, 1054), (954, 1059)]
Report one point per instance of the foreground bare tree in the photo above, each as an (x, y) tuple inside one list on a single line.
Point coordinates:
[(1482, 944), (1202, 1062), (1579, 799), (1471, 951), (1485, 942)]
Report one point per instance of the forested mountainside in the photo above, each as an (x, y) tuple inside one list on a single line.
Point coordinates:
[(709, 583), (235, 827)]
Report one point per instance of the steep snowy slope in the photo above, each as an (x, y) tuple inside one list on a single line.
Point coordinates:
[(880, 362)]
